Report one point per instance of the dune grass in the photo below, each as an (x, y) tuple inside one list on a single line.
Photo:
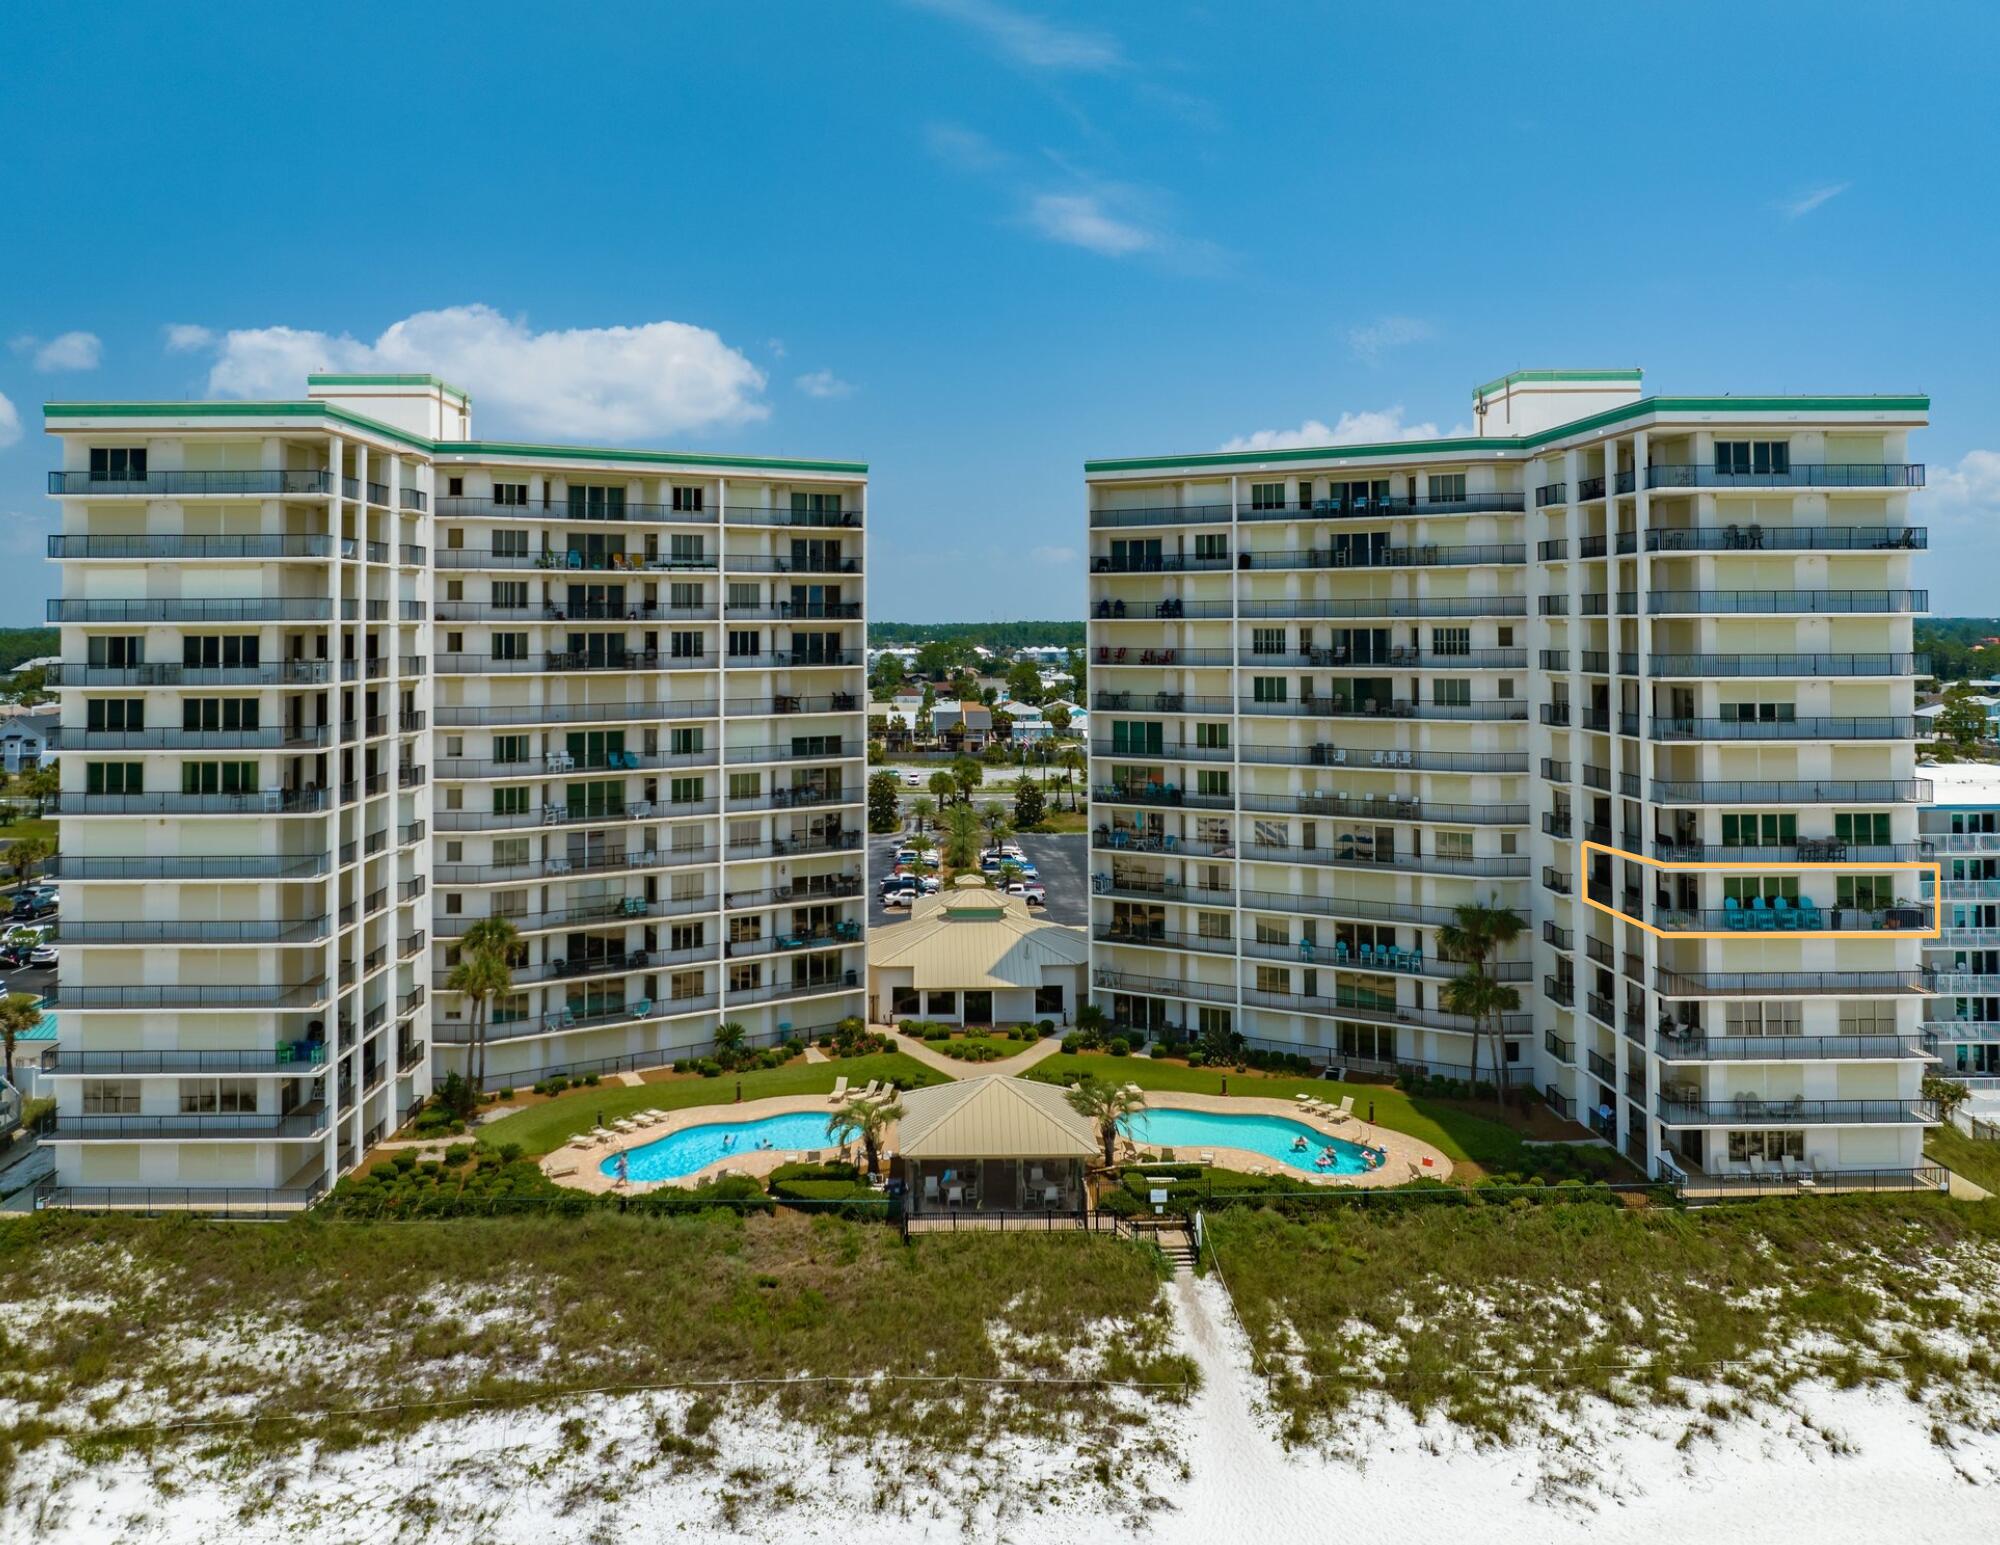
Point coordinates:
[(1491, 1315), (1476, 1144), (1978, 1162), (545, 1127), (168, 1321)]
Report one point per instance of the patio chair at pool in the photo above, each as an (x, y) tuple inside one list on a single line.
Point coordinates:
[(1344, 1112), (582, 1140), (602, 1134), (1208, 1158), (839, 1091), (1302, 1099), (874, 1088), (624, 1124), (931, 1188), (792, 1158)]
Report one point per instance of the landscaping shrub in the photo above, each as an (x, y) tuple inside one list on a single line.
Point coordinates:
[(1119, 1046), (1045, 1027), (458, 1153)]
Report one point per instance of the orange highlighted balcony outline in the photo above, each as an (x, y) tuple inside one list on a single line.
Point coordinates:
[(1935, 868)]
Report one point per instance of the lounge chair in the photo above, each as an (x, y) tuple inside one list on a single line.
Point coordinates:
[(558, 1174), (1207, 1158), (839, 1091), (1344, 1111), (792, 1158), (582, 1140), (874, 1087)]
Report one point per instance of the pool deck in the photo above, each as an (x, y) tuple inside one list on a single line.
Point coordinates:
[(578, 1166), (1408, 1158)]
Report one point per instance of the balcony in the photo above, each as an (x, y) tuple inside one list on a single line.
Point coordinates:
[(1302, 904), (290, 1059), (1764, 1111), (1390, 807), (1381, 1014), (277, 673), (1755, 666), (797, 660), (1785, 984), (771, 563), (1163, 515), (452, 717), (1783, 539), (1791, 1048), (559, 764), (1804, 917), (772, 992), (563, 866), (1671, 603), (276, 866), (1162, 795), (562, 815), (1707, 475), (308, 930), (1886, 728), (1387, 607), (834, 750), (136, 548), (1339, 706), (787, 611), (555, 611), (1325, 754), (1363, 852), (464, 508), (1345, 508), (795, 702), (1589, 488), (266, 802), (1178, 987), (1559, 990), (811, 519), (1171, 608), (292, 738), (1851, 791), (209, 609), (275, 995), (1551, 493), (1163, 939), (304, 1124), (279, 483), (1415, 556), (1152, 888)]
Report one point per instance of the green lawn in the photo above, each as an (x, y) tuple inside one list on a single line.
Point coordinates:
[(1461, 1135), (1978, 1162), (545, 1127)]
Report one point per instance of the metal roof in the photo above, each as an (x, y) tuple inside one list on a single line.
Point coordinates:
[(961, 939), (993, 1118)]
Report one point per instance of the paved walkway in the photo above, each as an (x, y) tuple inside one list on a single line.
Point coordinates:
[(951, 1067)]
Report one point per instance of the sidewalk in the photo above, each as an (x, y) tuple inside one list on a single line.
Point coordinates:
[(951, 1067)]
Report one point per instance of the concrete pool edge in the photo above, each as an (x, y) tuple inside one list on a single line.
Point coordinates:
[(581, 1168), (1407, 1155)]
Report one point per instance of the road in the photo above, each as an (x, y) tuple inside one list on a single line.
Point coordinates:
[(1063, 862)]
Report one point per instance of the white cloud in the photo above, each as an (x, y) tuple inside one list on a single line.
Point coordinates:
[(1967, 492), (68, 351), (824, 383), (965, 149), (1081, 220), (1368, 428), (1370, 343), (1053, 557), (1029, 40), (605, 383), (1810, 200), (187, 337), (10, 422), (776, 346)]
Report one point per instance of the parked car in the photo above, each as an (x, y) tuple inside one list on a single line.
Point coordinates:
[(897, 899), (913, 780), (37, 904), (42, 955), (931, 884)]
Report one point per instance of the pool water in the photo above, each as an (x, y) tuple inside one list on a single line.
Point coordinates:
[(1270, 1136), (669, 1158)]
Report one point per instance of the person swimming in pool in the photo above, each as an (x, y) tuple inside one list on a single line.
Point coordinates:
[(624, 1168), (1299, 1143)]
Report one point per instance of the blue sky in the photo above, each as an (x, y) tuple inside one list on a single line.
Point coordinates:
[(975, 242)]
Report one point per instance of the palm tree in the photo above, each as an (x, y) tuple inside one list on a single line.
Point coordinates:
[(729, 1042), (1074, 765), (961, 838), (999, 825), (486, 964), (923, 810), (24, 853), (867, 1120), (19, 1014), (966, 774), (1107, 1105), (1475, 932)]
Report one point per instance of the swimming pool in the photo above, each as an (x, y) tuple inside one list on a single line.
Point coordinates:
[(1271, 1136), (686, 1151)]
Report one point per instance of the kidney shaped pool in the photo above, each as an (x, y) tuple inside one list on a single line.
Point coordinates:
[(1271, 1136)]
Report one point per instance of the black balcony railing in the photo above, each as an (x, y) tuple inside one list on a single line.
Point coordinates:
[(1754, 537), (1856, 791), (1886, 728), (1749, 666), (1852, 474), (259, 480), (1754, 1110), (1667, 603)]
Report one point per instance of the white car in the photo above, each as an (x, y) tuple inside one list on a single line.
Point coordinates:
[(897, 899), (913, 780), (43, 955)]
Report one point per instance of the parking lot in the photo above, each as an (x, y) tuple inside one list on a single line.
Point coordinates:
[(1063, 862)]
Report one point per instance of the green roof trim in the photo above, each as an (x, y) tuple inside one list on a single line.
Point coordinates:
[(465, 449), (505, 448), (1520, 444), (1579, 376), (413, 380)]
